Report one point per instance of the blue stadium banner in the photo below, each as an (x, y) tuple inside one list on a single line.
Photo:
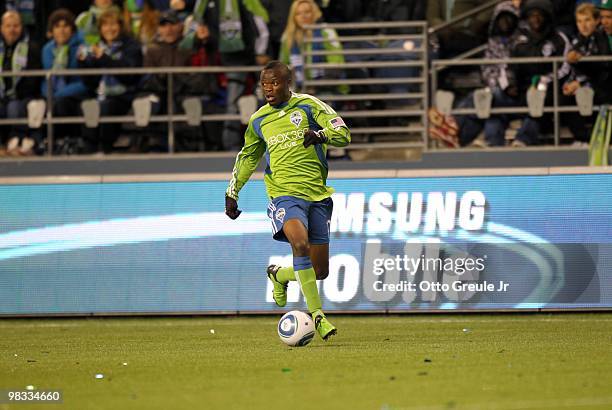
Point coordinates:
[(398, 244)]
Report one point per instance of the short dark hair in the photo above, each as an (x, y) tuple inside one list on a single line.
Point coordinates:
[(61, 15), (275, 64)]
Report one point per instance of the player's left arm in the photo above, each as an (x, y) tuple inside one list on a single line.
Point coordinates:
[(334, 130)]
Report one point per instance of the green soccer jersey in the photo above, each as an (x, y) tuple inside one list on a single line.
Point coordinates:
[(278, 132)]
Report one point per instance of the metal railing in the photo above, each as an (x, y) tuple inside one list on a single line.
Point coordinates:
[(365, 58), (463, 16), (555, 109), (170, 117)]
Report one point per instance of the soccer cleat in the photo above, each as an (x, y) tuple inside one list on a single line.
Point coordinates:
[(279, 293), (323, 326)]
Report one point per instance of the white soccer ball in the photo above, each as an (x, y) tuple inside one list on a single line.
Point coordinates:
[(296, 328)]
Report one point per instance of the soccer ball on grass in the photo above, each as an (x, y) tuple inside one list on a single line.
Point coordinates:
[(296, 328)]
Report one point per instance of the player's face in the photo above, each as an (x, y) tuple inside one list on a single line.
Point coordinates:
[(586, 24), (275, 86), (606, 20)]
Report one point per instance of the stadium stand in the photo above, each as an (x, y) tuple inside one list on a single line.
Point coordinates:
[(382, 76)]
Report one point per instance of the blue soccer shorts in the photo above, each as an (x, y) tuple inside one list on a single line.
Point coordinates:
[(316, 217)]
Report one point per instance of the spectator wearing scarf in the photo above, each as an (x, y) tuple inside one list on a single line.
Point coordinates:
[(18, 53), (294, 46), (242, 32), (58, 54), (116, 49)]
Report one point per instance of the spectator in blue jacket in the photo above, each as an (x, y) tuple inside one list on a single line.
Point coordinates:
[(58, 54)]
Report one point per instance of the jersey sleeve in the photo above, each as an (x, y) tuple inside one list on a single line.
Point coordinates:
[(332, 124), (246, 161)]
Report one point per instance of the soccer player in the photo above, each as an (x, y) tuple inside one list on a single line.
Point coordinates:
[(293, 131)]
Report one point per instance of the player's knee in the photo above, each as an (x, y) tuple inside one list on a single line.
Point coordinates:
[(301, 248), (322, 273)]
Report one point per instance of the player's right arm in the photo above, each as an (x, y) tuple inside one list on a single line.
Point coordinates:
[(247, 160)]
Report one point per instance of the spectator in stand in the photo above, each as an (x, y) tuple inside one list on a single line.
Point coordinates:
[(165, 52), (18, 53), (293, 44), (169, 50), (142, 19), (498, 78), (605, 11), (87, 21), (243, 38), (61, 53), (27, 10), (278, 11), (115, 49), (589, 41), (538, 38), (205, 86)]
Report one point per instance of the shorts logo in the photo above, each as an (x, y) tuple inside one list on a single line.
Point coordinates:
[(280, 214), (296, 118)]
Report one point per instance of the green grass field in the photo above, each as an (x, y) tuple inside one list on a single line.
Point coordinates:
[(534, 361)]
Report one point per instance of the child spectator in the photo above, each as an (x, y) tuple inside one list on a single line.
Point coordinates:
[(589, 41), (87, 21), (115, 49), (61, 53)]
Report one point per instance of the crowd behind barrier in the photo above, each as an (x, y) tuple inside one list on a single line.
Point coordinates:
[(180, 75)]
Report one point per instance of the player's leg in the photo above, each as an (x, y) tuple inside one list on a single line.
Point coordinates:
[(319, 218), (319, 255), (282, 209), (296, 233)]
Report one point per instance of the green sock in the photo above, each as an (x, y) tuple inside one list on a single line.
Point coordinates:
[(308, 282), (284, 275)]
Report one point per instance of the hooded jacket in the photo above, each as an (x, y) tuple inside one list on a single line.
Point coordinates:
[(546, 43), (499, 46)]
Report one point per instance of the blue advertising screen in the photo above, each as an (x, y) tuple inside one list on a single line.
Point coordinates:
[(397, 244)]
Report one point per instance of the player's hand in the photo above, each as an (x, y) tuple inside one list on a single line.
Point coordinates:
[(231, 208), (314, 137)]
